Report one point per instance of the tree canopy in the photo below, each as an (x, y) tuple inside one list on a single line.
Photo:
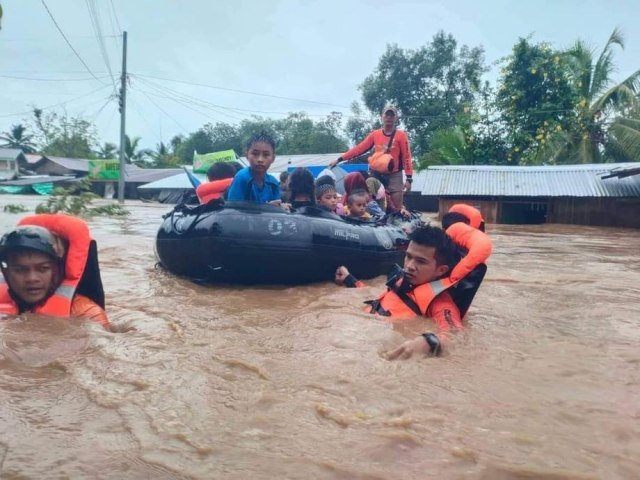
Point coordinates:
[(64, 136), (17, 137), (431, 85)]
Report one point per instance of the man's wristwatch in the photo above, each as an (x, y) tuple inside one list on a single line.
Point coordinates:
[(433, 342), (409, 179)]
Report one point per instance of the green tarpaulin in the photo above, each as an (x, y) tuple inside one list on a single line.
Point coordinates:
[(12, 189), (104, 169), (201, 163), (43, 188)]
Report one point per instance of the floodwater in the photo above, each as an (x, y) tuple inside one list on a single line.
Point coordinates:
[(262, 383)]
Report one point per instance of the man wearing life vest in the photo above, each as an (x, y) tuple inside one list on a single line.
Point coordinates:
[(50, 267), (427, 285)]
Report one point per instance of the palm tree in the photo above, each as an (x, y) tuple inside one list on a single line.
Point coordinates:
[(107, 151), (162, 157), (131, 152), (603, 130), (447, 146), (16, 138)]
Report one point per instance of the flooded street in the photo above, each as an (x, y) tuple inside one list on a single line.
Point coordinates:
[(261, 383)]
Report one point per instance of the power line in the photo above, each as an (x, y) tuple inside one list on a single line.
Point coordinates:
[(112, 16), (184, 104), (57, 104), (68, 42), (53, 79), (241, 91), (195, 101), (115, 15), (163, 111), (95, 116), (97, 29), (144, 119), (42, 39)]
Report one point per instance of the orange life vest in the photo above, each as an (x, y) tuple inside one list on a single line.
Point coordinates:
[(212, 190), (76, 232), (478, 246), (391, 304), (473, 214)]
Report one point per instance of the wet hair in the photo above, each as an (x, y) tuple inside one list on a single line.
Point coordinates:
[(429, 236), (301, 183), (357, 193), (221, 170), (262, 137), (283, 176), (450, 218), (237, 165)]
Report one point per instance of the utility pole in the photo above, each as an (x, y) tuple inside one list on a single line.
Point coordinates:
[(123, 111)]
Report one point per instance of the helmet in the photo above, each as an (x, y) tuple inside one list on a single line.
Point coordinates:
[(32, 237)]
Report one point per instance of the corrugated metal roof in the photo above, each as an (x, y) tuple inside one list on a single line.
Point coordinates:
[(75, 164), (135, 174), (284, 162), (25, 181), (623, 172), (10, 153), (33, 158), (545, 181), (179, 181)]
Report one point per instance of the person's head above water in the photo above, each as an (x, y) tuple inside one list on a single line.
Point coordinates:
[(472, 214), (450, 218), (430, 255), (32, 261)]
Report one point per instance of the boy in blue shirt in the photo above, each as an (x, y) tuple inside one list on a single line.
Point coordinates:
[(253, 183)]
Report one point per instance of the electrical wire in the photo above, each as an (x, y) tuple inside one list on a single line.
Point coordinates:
[(162, 110), (115, 15), (144, 119), (97, 29), (240, 91), (195, 101), (35, 79), (69, 43), (48, 107)]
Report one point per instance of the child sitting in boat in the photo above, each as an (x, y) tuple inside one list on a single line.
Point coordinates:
[(326, 193), (253, 183), (356, 181), (220, 176), (357, 205), (301, 188)]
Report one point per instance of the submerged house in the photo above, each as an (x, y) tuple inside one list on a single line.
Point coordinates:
[(591, 194), (10, 158)]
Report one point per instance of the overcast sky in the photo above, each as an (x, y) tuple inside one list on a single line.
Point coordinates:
[(292, 55)]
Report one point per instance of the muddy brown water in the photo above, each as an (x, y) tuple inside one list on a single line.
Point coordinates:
[(282, 382)]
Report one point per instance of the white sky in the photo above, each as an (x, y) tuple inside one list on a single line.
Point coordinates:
[(310, 50)]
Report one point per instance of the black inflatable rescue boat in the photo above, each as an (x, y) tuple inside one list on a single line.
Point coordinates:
[(249, 243)]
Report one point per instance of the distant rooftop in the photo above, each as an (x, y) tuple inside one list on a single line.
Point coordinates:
[(538, 181)]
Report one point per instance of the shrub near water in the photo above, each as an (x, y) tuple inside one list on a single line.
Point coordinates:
[(14, 208), (77, 200)]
